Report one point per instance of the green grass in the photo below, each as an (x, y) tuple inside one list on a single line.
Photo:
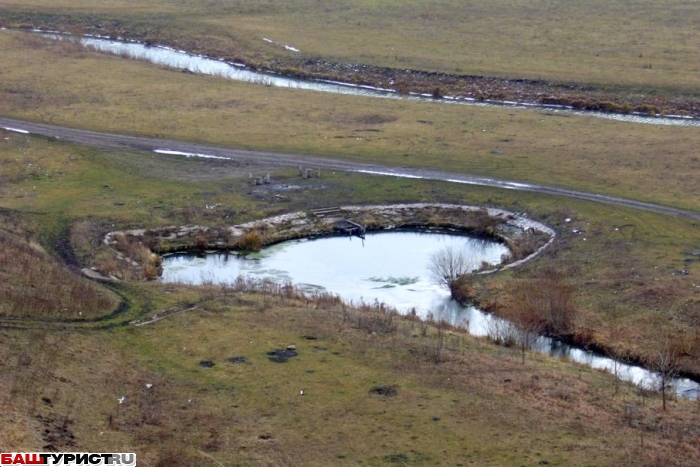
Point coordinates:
[(480, 404), (641, 43), (66, 85), (625, 271)]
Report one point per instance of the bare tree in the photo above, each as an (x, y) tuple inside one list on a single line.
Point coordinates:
[(666, 363), (521, 330), (528, 330), (448, 265)]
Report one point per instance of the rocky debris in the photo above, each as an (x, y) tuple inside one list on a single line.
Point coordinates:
[(375, 217)]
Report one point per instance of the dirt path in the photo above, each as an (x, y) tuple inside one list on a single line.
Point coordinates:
[(111, 140)]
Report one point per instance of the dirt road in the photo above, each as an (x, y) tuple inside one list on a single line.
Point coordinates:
[(110, 140)]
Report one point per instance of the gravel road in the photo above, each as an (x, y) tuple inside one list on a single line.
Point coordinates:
[(111, 140)]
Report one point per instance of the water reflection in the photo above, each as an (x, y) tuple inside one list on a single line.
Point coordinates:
[(181, 60), (389, 267)]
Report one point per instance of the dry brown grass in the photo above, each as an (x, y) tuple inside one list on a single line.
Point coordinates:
[(453, 397), (576, 152), (34, 285), (251, 241), (644, 43)]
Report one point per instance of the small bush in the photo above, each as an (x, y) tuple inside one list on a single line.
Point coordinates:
[(252, 241), (462, 289)]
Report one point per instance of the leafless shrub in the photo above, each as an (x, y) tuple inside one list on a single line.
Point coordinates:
[(434, 349), (200, 241), (548, 300), (446, 266), (666, 363), (502, 332), (376, 318), (630, 414), (529, 329)]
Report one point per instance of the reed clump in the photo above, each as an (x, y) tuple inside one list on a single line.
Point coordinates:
[(251, 241)]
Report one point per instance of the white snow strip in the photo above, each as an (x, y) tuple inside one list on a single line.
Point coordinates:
[(390, 174), (468, 182), (267, 40), (16, 130), (518, 185), (293, 49), (351, 85), (187, 154)]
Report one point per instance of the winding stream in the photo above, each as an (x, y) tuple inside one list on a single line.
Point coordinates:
[(182, 60), (390, 267)]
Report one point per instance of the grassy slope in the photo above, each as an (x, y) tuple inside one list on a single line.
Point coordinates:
[(479, 405), (634, 43), (63, 84)]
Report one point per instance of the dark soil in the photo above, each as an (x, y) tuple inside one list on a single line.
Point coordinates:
[(575, 95), (239, 359), (57, 433), (281, 355), (388, 391)]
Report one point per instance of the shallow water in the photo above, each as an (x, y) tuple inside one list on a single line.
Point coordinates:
[(390, 267), (181, 60)]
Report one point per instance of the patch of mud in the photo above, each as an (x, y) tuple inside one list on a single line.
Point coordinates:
[(281, 355), (57, 434), (388, 391), (238, 359), (206, 364)]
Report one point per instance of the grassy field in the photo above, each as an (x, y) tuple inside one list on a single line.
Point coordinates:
[(67, 85), (641, 43), (378, 390), (375, 399), (625, 264)]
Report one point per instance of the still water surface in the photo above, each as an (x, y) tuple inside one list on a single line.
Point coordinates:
[(182, 60), (390, 267)]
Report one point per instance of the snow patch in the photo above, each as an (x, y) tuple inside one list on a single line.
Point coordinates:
[(187, 154), (16, 130)]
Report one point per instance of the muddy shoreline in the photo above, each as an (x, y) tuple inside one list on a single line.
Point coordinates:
[(503, 226)]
